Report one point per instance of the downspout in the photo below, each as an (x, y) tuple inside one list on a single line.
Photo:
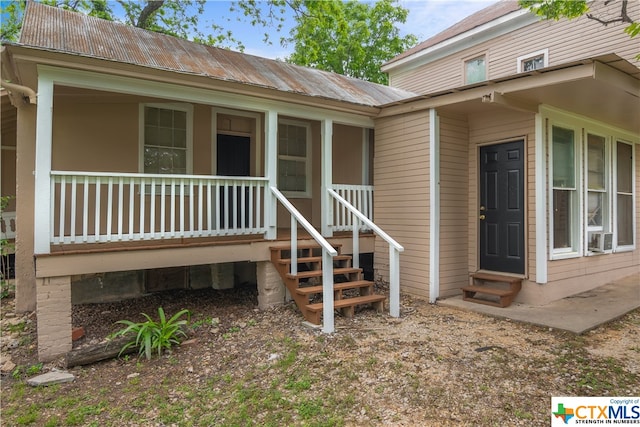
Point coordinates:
[(26, 92), (434, 203)]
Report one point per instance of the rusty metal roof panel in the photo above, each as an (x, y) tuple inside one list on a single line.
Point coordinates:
[(58, 30)]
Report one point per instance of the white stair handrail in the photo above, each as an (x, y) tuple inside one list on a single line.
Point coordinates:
[(328, 252), (394, 252)]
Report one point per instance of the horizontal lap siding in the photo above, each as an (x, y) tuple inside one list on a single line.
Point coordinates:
[(454, 194), (567, 41), (501, 126), (401, 201)]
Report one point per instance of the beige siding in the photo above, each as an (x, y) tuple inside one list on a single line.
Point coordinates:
[(566, 40), (401, 202), (490, 128), (454, 207)]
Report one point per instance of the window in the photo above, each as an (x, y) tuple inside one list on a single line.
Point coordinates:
[(624, 193), (533, 61), (294, 142), (475, 70), (565, 191), (597, 200), (166, 139), (592, 194)]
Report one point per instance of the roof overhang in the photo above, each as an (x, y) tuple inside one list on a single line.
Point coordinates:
[(490, 30), (606, 89), (26, 60)]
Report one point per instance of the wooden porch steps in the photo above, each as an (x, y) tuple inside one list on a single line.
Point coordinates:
[(349, 289), (501, 289)]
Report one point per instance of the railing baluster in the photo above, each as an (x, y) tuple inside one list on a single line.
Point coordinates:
[(181, 208), (152, 216), (142, 208), (120, 206), (191, 225), (162, 207), (85, 210), (218, 225), (109, 208), (211, 208), (63, 202), (243, 222), (227, 206), (251, 191), (72, 223), (172, 206), (131, 207), (97, 213), (200, 207)]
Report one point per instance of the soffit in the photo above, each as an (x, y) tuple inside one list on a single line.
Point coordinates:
[(605, 88)]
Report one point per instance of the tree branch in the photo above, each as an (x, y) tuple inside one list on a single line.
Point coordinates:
[(624, 17), (149, 9)]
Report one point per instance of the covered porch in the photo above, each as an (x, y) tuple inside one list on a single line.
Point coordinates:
[(244, 175)]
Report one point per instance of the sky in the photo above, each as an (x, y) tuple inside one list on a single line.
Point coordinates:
[(426, 18)]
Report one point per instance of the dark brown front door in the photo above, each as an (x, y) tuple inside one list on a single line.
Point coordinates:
[(501, 210)]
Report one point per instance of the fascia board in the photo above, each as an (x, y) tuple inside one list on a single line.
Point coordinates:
[(466, 40), (139, 86)]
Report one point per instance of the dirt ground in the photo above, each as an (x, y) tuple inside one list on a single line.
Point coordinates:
[(242, 366)]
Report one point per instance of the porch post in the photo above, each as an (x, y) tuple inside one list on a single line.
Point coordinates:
[(541, 202), (326, 135), (434, 206), (271, 173), (42, 186)]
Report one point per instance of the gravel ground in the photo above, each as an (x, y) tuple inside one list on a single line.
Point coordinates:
[(241, 366)]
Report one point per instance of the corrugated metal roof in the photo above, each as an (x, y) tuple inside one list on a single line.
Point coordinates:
[(488, 14), (57, 30)]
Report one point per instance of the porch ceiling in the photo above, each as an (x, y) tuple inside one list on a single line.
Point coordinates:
[(8, 116), (605, 88), (589, 97)]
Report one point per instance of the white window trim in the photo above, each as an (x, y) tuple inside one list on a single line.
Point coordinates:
[(543, 52), (614, 192), (484, 55), (583, 125), (576, 244), (608, 170), (307, 194), (188, 108)]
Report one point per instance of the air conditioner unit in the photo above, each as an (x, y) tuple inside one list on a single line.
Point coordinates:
[(600, 242)]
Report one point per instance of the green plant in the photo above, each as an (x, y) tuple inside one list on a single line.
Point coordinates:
[(6, 288), (152, 336)]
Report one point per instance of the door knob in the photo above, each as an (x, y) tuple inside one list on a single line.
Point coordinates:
[(482, 208), (481, 217)]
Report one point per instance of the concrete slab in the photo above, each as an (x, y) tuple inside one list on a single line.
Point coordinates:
[(578, 313), (50, 378)]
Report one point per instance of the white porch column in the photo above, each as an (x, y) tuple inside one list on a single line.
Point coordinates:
[(541, 202), (271, 172), (42, 203), (326, 135), (434, 203)]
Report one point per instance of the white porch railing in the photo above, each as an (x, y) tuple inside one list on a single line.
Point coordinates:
[(360, 197), (328, 252), (394, 250), (89, 207), (8, 225)]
